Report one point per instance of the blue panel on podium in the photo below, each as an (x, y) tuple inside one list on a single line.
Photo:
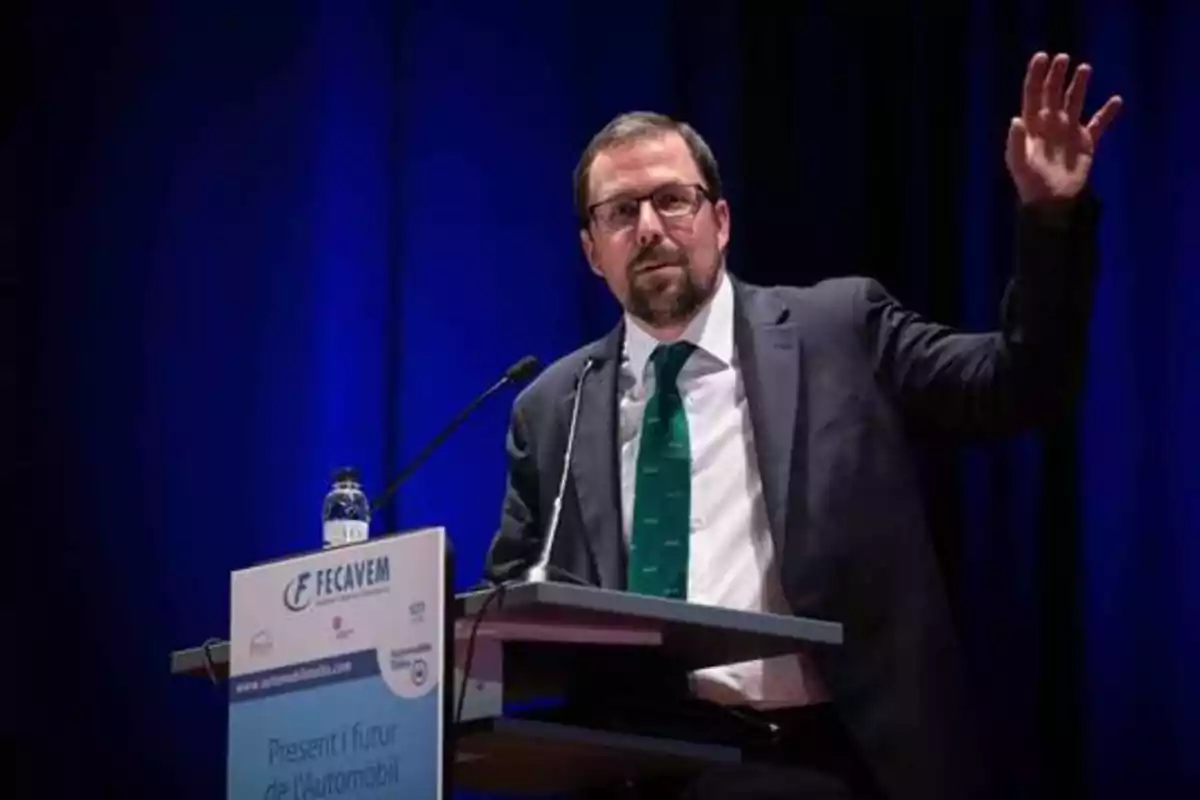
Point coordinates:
[(337, 672)]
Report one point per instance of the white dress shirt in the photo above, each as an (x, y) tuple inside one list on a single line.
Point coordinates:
[(731, 553)]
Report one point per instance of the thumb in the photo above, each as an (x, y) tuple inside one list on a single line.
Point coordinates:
[(1014, 152)]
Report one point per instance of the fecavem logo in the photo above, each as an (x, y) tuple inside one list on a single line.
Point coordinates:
[(341, 582), (295, 594)]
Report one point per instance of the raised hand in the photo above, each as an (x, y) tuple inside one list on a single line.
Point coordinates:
[(1050, 151)]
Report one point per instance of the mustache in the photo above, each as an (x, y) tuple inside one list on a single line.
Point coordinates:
[(656, 254)]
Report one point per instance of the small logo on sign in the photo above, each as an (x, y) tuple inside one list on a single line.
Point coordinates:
[(420, 671), (340, 630), (261, 643)]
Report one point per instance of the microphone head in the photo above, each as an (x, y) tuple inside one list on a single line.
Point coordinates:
[(523, 369)]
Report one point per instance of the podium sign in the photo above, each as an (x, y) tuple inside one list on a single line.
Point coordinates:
[(337, 682)]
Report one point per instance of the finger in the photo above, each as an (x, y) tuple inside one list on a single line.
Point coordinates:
[(1052, 89), (1076, 92), (1014, 151), (1035, 75), (1104, 117)]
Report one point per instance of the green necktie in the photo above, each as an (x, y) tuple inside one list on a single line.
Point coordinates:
[(658, 548)]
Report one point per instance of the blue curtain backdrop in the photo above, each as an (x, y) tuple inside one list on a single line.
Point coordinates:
[(253, 242)]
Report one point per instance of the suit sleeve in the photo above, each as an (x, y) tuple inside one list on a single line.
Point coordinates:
[(515, 545), (1023, 375)]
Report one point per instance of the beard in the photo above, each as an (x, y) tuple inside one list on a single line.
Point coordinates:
[(671, 295)]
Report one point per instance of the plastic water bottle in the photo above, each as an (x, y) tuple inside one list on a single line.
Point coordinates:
[(346, 516)]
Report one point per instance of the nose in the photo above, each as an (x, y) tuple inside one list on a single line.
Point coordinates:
[(649, 225)]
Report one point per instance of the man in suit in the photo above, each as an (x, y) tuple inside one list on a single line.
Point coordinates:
[(744, 446)]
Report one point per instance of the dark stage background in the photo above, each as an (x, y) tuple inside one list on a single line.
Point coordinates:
[(256, 241)]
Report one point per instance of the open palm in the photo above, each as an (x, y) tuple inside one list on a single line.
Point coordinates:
[(1050, 152)]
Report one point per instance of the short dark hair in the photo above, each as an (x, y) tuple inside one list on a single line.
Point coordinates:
[(633, 125)]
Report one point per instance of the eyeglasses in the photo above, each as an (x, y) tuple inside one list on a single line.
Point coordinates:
[(671, 202)]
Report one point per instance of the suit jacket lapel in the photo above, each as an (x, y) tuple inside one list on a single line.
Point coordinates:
[(595, 462), (769, 352)]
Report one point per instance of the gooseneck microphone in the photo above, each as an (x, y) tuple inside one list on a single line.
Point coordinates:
[(542, 571), (518, 372)]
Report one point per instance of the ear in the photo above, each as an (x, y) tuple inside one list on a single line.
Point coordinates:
[(722, 220), (589, 250)]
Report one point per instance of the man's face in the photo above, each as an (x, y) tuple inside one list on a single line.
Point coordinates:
[(661, 256)]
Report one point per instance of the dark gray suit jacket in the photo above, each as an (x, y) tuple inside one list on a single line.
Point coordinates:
[(834, 374)]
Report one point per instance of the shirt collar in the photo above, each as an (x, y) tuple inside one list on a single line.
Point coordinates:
[(711, 331)]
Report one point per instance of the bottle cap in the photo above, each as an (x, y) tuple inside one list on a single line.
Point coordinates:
[(345, 475)]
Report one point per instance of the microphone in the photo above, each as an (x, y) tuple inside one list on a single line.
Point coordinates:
[(543, 571), (518, 372)]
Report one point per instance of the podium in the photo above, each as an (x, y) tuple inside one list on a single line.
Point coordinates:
[(545, 657)]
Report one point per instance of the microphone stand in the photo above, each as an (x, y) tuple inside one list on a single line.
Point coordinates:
[(517, 372), (543, 571)]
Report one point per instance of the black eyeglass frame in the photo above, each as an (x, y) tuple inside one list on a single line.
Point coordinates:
[(702, 193)]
